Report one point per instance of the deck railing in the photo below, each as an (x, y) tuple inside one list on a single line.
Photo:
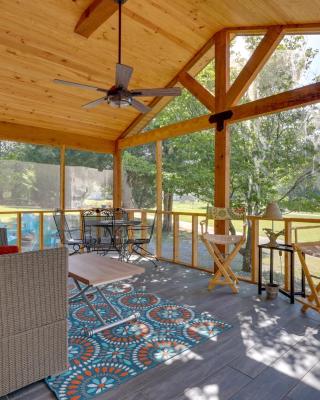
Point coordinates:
[(185, 230)]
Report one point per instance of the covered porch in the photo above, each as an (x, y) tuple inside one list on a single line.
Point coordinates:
[(272, 349)]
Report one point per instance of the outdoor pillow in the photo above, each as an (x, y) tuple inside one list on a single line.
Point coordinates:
[(9, 249)]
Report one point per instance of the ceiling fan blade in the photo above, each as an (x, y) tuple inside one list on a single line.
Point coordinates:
[(94, 103), (79, 85), (174, 91), (123, 75), (140, 106)]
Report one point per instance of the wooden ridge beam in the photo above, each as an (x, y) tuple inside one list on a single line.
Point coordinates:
[(50, 137), (294, 98), (94, 16), (198, 91), (254, 65)]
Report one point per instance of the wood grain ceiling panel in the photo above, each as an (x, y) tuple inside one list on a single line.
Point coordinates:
[(38, 44)]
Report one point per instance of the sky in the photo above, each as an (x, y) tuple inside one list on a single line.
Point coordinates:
[(313, 41)]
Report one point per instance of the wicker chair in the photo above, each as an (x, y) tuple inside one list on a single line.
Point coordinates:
[(33, 317)]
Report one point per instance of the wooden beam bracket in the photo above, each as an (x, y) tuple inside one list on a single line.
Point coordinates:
[(220, 119)]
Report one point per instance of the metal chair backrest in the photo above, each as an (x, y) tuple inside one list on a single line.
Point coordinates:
[(152, 226), (62, 226), (120, 214), (90, 220)]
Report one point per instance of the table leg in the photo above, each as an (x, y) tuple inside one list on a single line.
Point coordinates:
[(260, 272), (271, 265), (303, 281), (292, 278)]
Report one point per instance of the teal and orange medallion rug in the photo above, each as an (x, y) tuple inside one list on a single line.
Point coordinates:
[(99, 363)]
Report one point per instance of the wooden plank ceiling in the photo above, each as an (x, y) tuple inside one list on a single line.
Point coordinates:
[(38, 44)]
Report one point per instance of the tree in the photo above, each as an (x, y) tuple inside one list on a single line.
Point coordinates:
[(273, 157)]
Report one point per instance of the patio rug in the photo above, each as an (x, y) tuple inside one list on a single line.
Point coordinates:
[(99, 363)]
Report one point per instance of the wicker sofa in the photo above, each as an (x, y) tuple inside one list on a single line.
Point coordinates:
[(33, 317)]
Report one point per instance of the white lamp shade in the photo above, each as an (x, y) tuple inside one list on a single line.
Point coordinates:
[(272, 211)]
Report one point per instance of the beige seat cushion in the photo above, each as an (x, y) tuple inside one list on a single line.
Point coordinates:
[(311, 248), (222, 239)]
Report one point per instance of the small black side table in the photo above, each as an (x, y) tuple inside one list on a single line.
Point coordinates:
[(286, 248)]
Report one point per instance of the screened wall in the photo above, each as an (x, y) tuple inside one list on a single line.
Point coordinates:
[(89, 179)]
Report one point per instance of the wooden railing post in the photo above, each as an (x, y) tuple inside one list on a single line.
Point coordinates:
[(19, 231), (176, 247), (62, 178), (194, 241), (159, 199), (41, 231)]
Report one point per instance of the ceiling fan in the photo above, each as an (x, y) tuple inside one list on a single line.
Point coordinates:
[(119, 95)]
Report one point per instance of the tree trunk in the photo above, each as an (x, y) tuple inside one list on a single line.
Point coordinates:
[(167, 218), (246, 251)]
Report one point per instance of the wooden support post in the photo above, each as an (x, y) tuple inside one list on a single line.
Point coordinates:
[(159, 199), (117, 178), (194, 240), (222, 140), (287, 240), (41, 230), (176, 247), (144, 222), (254, 249), (81, 222), (62, 178)]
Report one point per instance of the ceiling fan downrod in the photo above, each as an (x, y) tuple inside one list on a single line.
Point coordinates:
[(120, 2)]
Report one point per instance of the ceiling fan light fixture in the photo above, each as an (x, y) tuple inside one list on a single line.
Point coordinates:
[(117, 101)]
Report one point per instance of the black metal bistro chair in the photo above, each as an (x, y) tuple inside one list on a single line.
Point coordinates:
[(106, 228), (96, 228), (139, 236), (69, 236)]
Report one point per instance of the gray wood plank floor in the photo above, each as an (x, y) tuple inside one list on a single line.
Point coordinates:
[(271, 352)]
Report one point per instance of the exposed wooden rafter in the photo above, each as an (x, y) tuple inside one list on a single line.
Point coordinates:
[(254, 65), (193, 67), (36, 135), (95, 15), (159, 103), (295, 98), (198, 91)]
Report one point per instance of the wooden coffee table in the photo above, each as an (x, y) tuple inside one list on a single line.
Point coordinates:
[(94, 272)]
